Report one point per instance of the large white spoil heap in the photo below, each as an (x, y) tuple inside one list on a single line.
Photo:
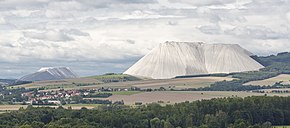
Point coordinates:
[(171, 59), (50, 73)]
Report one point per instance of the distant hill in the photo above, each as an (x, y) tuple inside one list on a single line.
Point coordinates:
[(7, 81), (50, 73), (282, 58)]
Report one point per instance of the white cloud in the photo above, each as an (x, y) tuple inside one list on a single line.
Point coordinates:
[(2, 20), (257, 32), (50, 35), (288, 16), (118, 32)]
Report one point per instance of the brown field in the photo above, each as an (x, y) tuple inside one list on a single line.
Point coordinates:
[(284, 78), (11, 107), (171, 97)]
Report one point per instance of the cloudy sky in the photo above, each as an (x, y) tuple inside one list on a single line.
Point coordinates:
[(98, 36)]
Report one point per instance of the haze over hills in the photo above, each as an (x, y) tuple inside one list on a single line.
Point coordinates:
[(171, 59), (50, 73)]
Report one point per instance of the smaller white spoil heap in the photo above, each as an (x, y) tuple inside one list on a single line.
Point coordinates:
[(171, 59), (50, 73)]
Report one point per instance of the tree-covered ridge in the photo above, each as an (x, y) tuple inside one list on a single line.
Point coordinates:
[(274, 66), (283, 57), (250, 112)]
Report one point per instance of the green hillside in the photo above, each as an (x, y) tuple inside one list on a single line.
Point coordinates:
[(114, 77)]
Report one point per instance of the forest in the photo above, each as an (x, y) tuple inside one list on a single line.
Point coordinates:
[(249, 112)]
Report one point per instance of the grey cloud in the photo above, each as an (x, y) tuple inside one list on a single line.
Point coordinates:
[(130, 41), (103, 31), (257, 32), (210, 29), (268, 7), (50, 35), (55, 35), (173, 23), (108, 3), (7, 26), (220, 15), (75, 32), (203, 2)]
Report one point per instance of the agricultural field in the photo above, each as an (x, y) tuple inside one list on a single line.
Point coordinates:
[(5, 108), (125, 92), (54, 84), (79, 106), (171, 97), (283, 78), (178, 83), (11, 107)]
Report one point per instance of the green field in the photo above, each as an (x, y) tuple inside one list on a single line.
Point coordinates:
[(115, 77), (125, 92)]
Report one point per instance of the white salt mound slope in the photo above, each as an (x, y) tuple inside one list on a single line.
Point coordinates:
[(50, 73), (171, 59)]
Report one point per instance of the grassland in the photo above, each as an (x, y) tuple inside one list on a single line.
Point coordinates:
[(283, 78), (112, 77)]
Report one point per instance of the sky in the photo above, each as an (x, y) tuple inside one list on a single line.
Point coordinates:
[(100, 36)]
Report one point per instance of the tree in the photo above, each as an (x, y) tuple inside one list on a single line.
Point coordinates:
[(36, 124), (240, 124), (167, 124), (267, 125), (25, 126), (155, 123)]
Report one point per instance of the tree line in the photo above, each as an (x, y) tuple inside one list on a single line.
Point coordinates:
[(249, 112)]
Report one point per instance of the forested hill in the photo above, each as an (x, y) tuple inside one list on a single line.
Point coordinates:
[(250, 112), (282, 58)]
